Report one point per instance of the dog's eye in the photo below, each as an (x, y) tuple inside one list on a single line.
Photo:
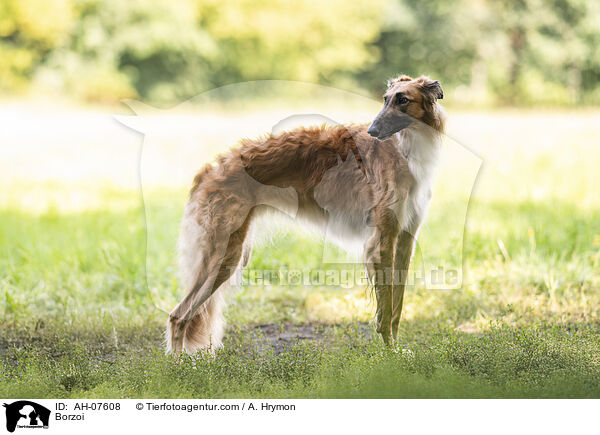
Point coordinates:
[(401, 99)]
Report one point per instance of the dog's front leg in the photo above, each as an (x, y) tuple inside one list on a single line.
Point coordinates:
[(380, 264), (404, 248)]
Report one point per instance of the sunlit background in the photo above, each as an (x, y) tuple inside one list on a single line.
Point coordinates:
[(520, 86)]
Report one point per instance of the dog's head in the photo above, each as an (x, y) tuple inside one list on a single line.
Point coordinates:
[(405, 101)]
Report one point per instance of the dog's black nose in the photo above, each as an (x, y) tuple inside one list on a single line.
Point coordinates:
[(373, 131)]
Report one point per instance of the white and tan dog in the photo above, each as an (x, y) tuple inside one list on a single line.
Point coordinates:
[(379, 201)]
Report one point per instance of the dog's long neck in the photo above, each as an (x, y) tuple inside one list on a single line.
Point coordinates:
[(421, 145)]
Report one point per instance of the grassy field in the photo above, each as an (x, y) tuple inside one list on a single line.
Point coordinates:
[(87, 277)]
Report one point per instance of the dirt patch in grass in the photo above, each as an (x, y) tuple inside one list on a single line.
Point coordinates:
[(105, 344), (281, 336)]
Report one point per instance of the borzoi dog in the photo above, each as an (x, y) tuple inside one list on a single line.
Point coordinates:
[(379, 201)]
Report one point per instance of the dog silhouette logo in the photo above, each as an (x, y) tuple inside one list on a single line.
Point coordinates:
[(26, 414)]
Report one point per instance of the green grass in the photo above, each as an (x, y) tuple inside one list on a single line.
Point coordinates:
[(84, 293), (548, 360)]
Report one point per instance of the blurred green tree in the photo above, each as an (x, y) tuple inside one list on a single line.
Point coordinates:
[(484, 51), (553, 54), (313, 41), (149, 48), (437, 38), (29, 31), (166, 51)]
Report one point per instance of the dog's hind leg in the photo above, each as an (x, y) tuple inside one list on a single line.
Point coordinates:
[(209, 256), (205, 330)]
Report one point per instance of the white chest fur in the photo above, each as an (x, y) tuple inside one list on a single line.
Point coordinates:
[(420, 145)]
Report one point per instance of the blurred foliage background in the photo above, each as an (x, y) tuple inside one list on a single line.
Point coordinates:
[(486, 52)]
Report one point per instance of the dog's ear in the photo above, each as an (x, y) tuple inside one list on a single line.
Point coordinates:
[(432, 89)]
